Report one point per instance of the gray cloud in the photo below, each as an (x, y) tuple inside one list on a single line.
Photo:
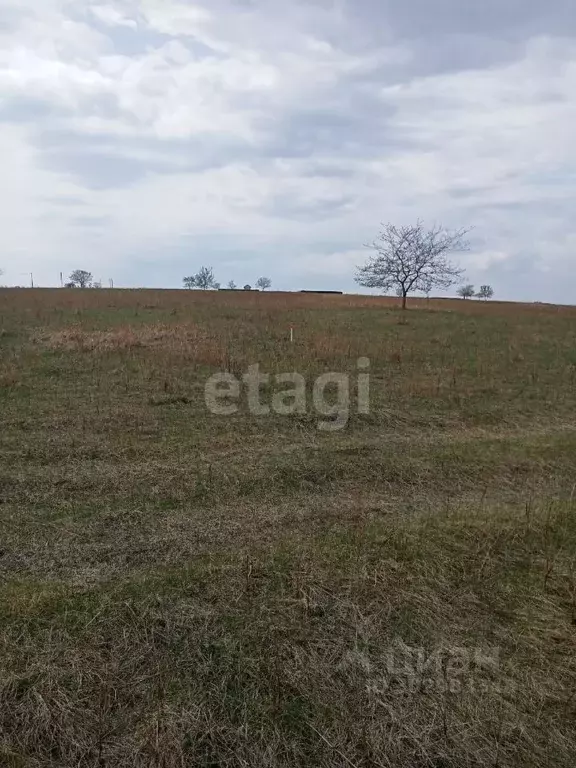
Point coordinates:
[(104, 162), (25, 110), (96, 222), (97, 170), (450, 36), (289, 207), (352, 132), (499, 19), (12, 15)]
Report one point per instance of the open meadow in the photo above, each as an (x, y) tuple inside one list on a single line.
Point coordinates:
[(181, 588)]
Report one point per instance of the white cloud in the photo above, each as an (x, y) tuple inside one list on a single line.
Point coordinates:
[(111, 16), (177, 19)]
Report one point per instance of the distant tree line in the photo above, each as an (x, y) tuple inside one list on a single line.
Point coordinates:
[(205, 280), (407, 259), (468, 292)]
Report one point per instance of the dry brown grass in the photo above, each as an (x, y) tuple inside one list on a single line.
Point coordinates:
[(123, 338), (9, 376), (198, 345)]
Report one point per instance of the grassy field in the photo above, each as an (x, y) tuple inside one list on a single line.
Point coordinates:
[(185, 589)]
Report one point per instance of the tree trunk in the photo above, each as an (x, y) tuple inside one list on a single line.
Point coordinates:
[(403, 301)]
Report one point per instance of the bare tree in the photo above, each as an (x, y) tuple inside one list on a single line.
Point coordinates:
[(486, 292), (263, 283), (189, 282), (466, 291), (231, 285), (412, 258), (80, 278), (203, 279)]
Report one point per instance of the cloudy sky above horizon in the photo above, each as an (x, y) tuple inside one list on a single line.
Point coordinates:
[(142, 139)]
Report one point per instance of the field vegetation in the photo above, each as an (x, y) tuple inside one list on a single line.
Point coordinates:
[(185, 589)]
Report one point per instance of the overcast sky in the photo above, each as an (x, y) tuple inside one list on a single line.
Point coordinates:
[(141, 139)]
